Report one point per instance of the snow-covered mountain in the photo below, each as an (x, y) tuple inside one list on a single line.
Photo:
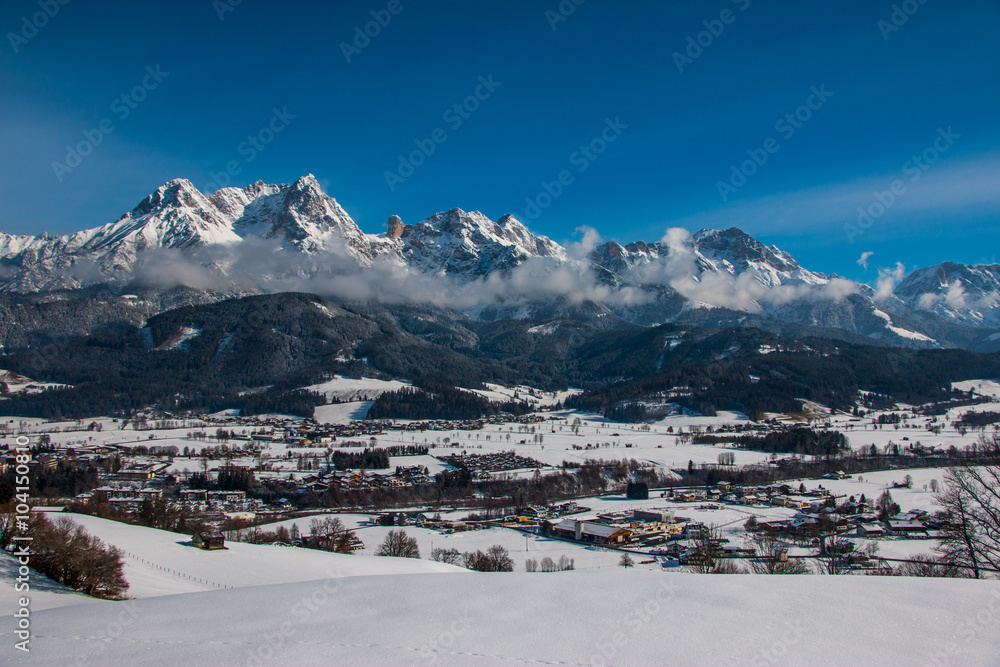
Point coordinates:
[(468, 245), (503, 268), (299, 216), (955, 292)]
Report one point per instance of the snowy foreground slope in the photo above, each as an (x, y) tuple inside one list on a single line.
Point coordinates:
[(570, 618)]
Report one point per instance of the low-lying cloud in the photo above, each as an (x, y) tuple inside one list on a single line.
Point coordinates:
[(263, 265)]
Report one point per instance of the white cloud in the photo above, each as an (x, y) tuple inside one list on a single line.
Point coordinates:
[(887, 279), (863, 261)]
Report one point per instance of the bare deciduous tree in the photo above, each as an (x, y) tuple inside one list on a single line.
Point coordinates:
[(771, 557), (450, 556), (708, 557), (970, 536), (398, 544)]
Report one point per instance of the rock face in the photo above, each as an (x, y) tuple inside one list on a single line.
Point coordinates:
[(303, 231), (395, 227)]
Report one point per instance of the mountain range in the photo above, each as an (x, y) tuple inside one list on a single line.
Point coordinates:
[(294, 237)]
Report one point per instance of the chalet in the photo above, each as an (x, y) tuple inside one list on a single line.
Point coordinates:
[(871, 530), (907, 528), (912, 515), (209, 540)]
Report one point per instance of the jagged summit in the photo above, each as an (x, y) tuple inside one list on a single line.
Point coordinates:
[(726, 269), (470, 245)]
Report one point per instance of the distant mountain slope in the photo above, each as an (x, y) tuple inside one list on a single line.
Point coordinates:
[(256, 353)]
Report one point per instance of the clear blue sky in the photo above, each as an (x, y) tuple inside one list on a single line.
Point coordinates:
[(891, 92)]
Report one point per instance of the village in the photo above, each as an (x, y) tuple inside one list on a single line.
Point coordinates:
[(209, 480)]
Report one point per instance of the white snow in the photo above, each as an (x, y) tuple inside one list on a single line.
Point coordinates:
[(342, 413), (605, 617), (354, 388)]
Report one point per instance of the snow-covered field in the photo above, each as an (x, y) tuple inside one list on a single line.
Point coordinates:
[(350, 389), (257, 604), (603, 617)]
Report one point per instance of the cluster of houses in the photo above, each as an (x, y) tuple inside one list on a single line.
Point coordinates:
[(306, 432), (480, 466), (363, 479), (128, 497), (777, 495), (635, 528)]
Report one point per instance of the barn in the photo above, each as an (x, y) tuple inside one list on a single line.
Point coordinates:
[(209, 540)]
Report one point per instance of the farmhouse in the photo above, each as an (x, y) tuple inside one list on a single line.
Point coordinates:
[(904, 527), (870, 530)]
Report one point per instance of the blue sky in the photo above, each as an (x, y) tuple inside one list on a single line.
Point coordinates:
[(673, 128)]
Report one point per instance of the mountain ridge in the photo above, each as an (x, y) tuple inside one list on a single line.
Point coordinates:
[(280, 237)]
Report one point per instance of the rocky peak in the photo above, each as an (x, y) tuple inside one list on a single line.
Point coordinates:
[(395, 227)]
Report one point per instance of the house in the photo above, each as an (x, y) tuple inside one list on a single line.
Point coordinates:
[(194, 495), (586, 531), (695, 531), (904, 527), (209, 540), (870, 530)]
